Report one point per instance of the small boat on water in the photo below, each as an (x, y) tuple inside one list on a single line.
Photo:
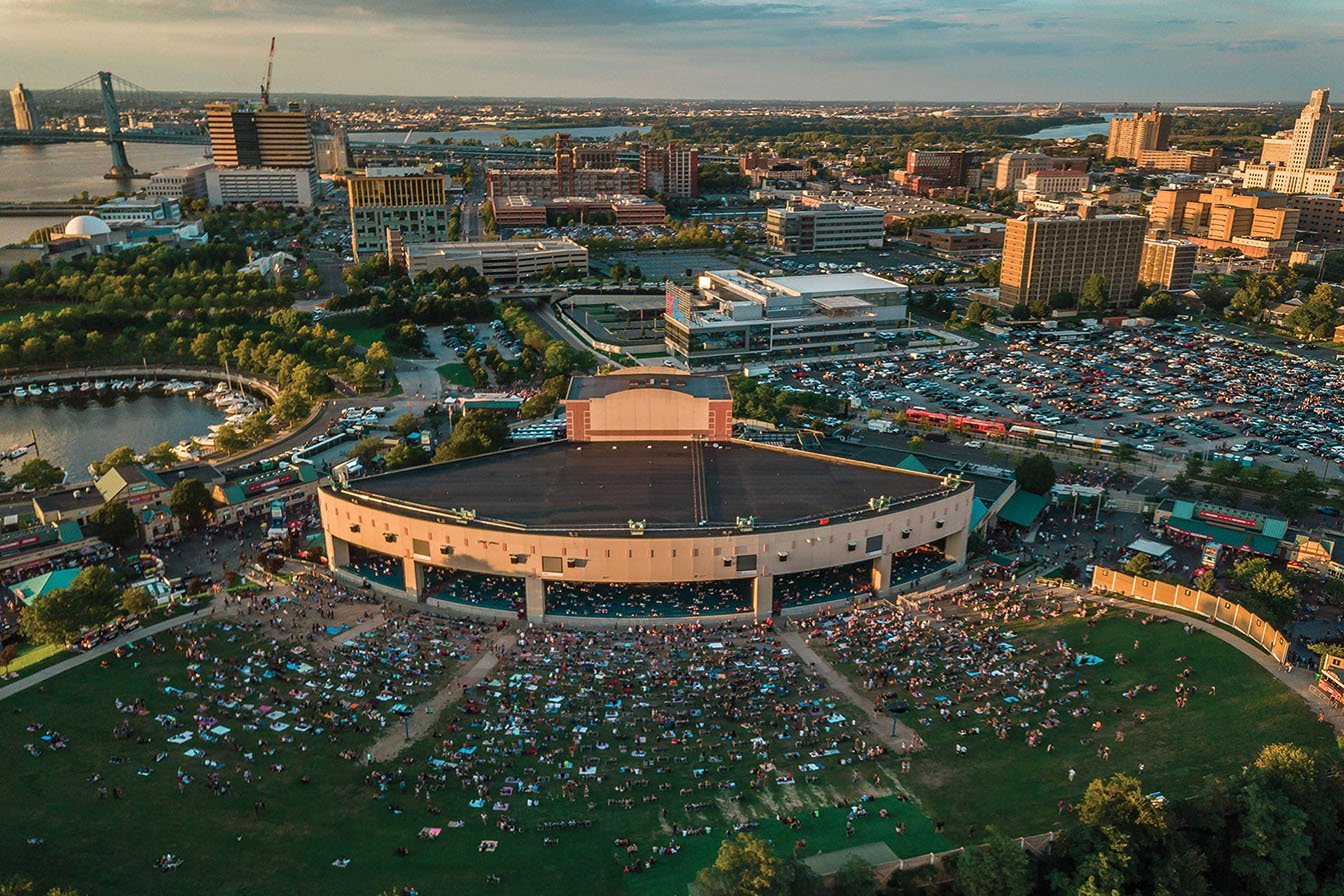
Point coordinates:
[(21, 392), (67, 387), (53, 389), (148, 385), (100, 385), (16, 451), (86, 386)]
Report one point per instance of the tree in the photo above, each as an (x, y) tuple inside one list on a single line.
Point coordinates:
[(478, 432), (1207, 581), (745, 866), (191, 503), (115, 524), (1035, 474), (854, 878), (365, 450), (1001, 868), (137, 600), (115, 458), (1140, 565), (1316, 317), (1272, 854), (62, 615), (161, 455), (38, 475), (229, 440), (403, 455), (1061, 300), (1159, 305), (405, 425), (1096, 294)]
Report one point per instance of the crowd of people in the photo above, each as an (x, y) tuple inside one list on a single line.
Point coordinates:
[(475, 590), (648, 601), (800, 589), (916, 563)]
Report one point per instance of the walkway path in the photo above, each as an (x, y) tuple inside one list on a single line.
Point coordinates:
[(427, 714), (1300, 680), (101, 650), (879, 725)]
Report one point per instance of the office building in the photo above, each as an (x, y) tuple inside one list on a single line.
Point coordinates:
[(180, 182), (1053, 182), (766, 170), (734, 316), (503, 261), (134, 210), (332, 152), (670, 171), (1169, 264), (1304, 168), (26, 117), (283, 186), (1043, 257), (408, 200), (575, 172), (1180, 161), (936, 167), (618, 208), (969, 239), (1320, 219), (809, 224), (1259, 224), (1133, 135), (250, 135), (1010, 168)]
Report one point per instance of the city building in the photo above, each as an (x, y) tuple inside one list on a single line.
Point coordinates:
[(650, 496), (670, 171), (180, 182), (1010, 168), (1320, 218), (1169, 264), (503, 261), (1258, 224), (809, 224), (1180, 161), (134, 210), (332, 152), (252, 135), (409, 200), (26, 117), (769, 171), (85, 236), (575, 172), (969, 239), (931, 169), (1054, 182), (1300, 167), (283, 186), (619, 208), (1043, 257), (733, 316), (1133, 135)]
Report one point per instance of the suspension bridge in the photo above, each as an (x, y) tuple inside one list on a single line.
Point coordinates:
[(68, 115)]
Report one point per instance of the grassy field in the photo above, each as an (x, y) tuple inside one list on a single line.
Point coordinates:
[(34, 657), (1017, 788), (357, 326), (456, 373), (15, 312)]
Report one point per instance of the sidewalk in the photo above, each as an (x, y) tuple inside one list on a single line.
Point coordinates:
[(101, 650)]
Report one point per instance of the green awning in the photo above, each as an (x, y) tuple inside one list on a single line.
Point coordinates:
[(1224, 535), (1023, 508)]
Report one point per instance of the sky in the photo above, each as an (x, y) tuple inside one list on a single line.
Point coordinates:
[(936, 50)]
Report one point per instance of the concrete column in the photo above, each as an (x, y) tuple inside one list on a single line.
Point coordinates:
[(882, 573), (415, 578), (338, 551), (954, 546), (763, 596), (535, 594)]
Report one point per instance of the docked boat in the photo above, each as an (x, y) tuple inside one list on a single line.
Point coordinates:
[(53, 389), (67, 387), (86, 386), (100, 385), (21, 392), (16, 451)]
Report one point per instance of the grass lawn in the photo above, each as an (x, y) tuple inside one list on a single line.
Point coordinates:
[(34, 657), (456, 373), (228, 848), (14, 312), (1017, 788), (357, 326)]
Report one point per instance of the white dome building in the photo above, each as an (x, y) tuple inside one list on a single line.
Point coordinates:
[(86, 226)]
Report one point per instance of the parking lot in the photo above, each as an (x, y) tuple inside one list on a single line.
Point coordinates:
[(889, 261), (1168, 390)]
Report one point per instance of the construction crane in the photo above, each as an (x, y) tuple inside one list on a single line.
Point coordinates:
[(266, 88)]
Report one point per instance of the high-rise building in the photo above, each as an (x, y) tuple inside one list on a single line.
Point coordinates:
[(1132, 135), (1183, 161), (1043, 257), (181, 182), (1299, 167), (812, 225), (1169, 264), (332, 152), (408, 200), (671, 171), (1320, 219), (285, 186), (250, 135), (26, 117)]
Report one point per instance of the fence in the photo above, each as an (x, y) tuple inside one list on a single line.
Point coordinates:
[(1191, 600)]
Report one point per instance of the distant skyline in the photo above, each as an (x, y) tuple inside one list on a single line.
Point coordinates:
[(957, 50)]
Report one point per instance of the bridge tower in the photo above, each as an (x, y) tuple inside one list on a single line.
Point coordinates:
[(121, 166)]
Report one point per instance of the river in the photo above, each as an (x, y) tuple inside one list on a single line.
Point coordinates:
[(491, 136), (57, 171), (1076, 131), (74, 434)]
